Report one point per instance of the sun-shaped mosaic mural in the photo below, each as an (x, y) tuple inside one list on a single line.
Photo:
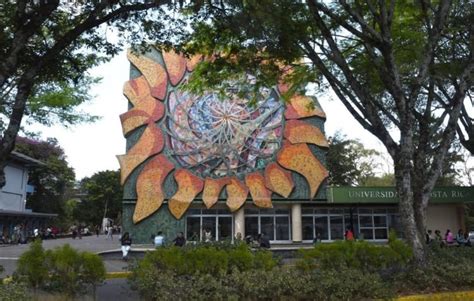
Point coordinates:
[(208, 143)]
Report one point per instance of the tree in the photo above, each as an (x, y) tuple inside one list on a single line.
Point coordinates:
[(348, 162), (48, 45), (465, 127), (103, 198), (53, 181), (401, 68)]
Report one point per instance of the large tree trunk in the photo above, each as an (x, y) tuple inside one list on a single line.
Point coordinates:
[(7, 141), (405, 179), (411, 221)]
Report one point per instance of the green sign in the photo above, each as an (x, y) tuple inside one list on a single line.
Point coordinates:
[(390, 195)]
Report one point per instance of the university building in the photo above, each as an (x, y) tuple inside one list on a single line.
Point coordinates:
[(198, 163), (13, 211)]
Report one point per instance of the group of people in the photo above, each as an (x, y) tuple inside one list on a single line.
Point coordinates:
[(261, 241), (461, 238), (49, 232), (158, 241), (18, 236)]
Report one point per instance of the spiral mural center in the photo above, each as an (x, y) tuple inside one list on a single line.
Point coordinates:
[(219, 137)]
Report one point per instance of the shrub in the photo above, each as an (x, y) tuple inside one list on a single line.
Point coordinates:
[(359, 255), (13, 291), (241, 258), (264, 260), (71, 272), (31, 265), (277, 284), (61, 270), (206, 259), (446, 269)]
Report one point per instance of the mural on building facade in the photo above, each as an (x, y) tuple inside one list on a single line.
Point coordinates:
[(208, 144)]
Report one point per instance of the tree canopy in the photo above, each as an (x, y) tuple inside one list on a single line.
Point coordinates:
[(349, 162), (47, 46), (403, 69), (53, 181), (101, 197)]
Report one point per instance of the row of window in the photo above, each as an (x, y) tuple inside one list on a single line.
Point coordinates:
[(323, 224)]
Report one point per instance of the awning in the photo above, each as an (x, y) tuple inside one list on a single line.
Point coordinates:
[(26, 214)]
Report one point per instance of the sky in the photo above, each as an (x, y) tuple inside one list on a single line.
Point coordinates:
[(93, 147)]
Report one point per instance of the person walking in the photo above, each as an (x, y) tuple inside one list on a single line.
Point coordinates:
[(126, 243), (109, 233), (97, 230)]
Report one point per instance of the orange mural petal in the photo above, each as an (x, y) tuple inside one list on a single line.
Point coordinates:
[(298, 157), (189, 186), (192, 62), (147, 111), (150, 143), (135, 89), (278, 180), (262, 197), (212, 189), (302, 106), (236, 194), (297, 131), (132, 120), (154, 73), (150, 187), (176, 66)]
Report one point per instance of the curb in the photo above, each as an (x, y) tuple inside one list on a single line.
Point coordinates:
[(463, 295), (117, 275)]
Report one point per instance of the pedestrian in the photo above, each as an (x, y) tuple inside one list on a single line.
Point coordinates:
[(349, 235), (207, 235), (460, 238), (159, 239), (126, 242), (97, 230), (263, 241), (429, 238), (74, 231), (179, 241), (448, 237), (109, 233)]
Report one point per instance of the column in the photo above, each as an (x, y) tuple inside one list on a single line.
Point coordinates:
[(239, 222), (296, 228)]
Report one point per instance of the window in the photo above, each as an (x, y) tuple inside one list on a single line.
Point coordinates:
[(251, 226), (307, 224), (331, 223), (282, 227), (275, 223), (373, 226), (225, 228), (193, 229), (219, 223), (337, 227), (321, 227)]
